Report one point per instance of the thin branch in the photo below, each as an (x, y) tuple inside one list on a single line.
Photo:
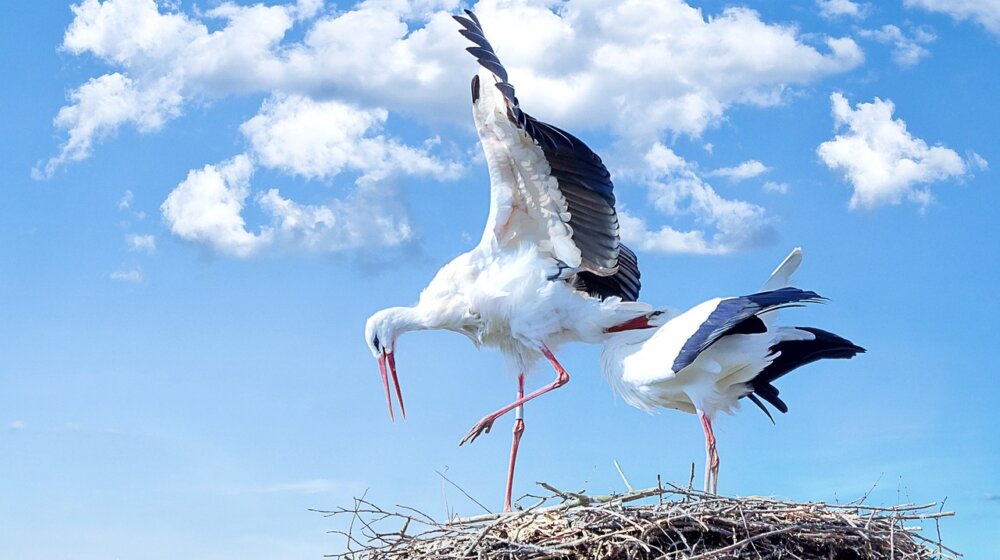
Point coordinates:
[(625, 480), (462, 490)]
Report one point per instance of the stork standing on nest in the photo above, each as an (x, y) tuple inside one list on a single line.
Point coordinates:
[(706, 359), (549, 268)]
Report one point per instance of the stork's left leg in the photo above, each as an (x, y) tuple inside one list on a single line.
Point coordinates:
[(484, 425), (711, 455), (518, 430)]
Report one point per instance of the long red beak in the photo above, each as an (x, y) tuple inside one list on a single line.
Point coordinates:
[(385, 358)]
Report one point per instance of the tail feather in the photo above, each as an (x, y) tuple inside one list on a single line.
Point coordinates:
[(793, 354), (782, 276)]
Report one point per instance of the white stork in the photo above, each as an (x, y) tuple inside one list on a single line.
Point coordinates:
[(706, 359), (549, 268)]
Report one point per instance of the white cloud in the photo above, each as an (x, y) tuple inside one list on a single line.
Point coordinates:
[(17, 425), (314, 139), (881, 159), (836, 8), (984, 12), (130, 274), (746, 170), (642, 68), (102, 105), (676, 190), (126, 204), (207, 208), (141, 243), (306, 9), (648, 67), (906, 51), (979, 162), (775, 187), (369, 217), (319, 139), (126, 201)]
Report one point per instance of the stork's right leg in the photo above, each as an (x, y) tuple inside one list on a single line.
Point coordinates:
[(711, 455), (486, 424), (518, 430)]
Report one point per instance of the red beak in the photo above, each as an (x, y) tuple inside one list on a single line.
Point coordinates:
[(387, 357)]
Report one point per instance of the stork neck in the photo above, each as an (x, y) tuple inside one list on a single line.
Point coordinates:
[(406, 319)]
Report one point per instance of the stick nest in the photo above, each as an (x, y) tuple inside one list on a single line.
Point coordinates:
[(664, 523)]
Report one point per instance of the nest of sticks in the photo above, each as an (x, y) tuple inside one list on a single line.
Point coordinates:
[(665, 522)]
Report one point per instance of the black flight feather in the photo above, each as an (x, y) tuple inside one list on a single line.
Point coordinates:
[(793, 354), (731, 312)]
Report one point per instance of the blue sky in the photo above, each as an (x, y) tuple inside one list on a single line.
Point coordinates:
[(205, 201)]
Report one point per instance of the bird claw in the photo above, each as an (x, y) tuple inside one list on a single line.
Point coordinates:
[(484, 425)]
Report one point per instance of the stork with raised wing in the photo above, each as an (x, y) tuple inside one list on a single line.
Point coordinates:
[(706, 359), (550, 267)]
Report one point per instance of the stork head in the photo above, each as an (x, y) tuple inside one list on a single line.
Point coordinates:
[(381, 331)]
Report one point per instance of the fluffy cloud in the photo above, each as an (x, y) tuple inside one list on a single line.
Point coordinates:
[(837, 8), (316, 140), (746, 170), (207, 208), (647, 67), (984, 12), (881, 159), (370, 217), (676, 190), (642, 67), (319, 139), (906, 51), (102, 105)]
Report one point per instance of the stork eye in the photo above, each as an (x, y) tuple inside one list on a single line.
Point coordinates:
[(375, 342)]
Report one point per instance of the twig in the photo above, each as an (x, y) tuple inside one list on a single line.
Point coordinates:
[(681, 523), (462, 490), (625, 480)]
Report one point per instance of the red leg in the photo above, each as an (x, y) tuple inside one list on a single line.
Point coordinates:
[(711, 455), (484, 425), (518, 430)]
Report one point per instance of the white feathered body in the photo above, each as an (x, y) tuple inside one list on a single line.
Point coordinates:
[(505, 299), (638, 364)]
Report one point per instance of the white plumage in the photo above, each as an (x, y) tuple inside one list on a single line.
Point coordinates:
[(706, 359), (549, 268)]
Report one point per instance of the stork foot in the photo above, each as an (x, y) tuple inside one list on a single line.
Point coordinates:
[(484, 425)]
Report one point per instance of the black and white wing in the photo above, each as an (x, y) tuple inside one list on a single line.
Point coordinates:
[(547, 186)]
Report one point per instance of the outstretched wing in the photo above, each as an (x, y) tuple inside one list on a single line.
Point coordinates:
[(547, 186)]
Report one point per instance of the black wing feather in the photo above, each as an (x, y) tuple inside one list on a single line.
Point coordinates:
[(730, 313), (624, 283), (793, 354)]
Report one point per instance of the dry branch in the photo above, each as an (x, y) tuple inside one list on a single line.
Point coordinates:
[(681, 524)]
